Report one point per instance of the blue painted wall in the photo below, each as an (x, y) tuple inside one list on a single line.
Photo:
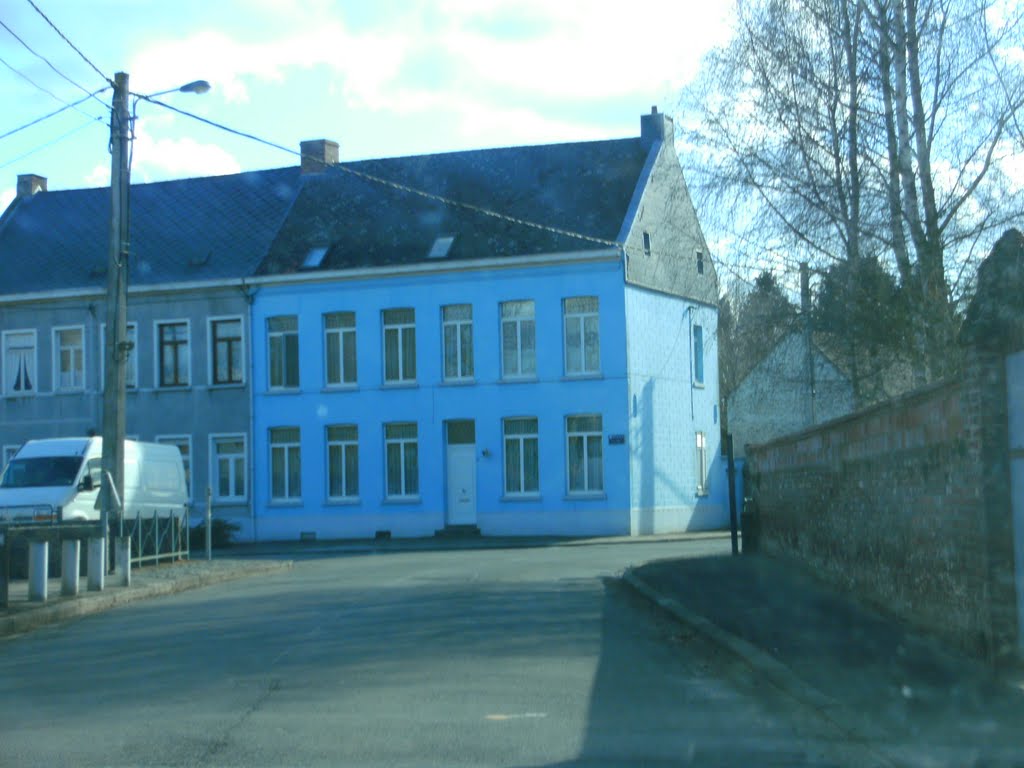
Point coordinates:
[(431, 402), (667, 408)]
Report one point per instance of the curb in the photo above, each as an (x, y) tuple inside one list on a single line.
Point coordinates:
[(97, 602), (852, 725)]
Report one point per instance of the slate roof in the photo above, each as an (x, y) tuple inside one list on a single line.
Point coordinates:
[(267, 222), (181, 231), (581, 187)]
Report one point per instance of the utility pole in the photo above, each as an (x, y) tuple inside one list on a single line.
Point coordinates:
[(117, 346), (805, 309)]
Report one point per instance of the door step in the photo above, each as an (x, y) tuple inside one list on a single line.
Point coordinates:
[(458, 532)]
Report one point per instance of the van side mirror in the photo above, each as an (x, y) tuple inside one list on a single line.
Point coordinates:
[(86, 484)]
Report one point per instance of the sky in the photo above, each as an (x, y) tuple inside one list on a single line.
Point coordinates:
[(383, 78)]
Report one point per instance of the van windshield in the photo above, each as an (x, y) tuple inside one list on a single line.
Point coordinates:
[(41, 471)]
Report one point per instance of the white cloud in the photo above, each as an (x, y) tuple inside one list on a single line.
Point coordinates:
[(159, 158)]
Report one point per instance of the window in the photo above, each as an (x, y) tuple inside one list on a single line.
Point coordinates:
[(343, 462), (131, 365), (227, 364), (399, 345), (584, 451), (172, 345), (340, 348), (402, 460), (68, 359), (647, 243), (698, 355), (582, 345), (702, 465), (518, 340), (522, 457), (229, 467), (700, 262), (457, 331), (19, 362), (184, 444), (285, 464), (283, 340)]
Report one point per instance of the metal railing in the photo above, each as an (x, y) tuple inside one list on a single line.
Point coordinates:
[(157, 537)]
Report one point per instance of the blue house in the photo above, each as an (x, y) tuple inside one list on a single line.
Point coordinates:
[(519, 340)]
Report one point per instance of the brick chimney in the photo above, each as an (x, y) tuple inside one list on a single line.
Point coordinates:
[(318, 154), (29, 184), (656, 127)]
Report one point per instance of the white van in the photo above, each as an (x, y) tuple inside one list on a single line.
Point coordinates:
[(58, 480)]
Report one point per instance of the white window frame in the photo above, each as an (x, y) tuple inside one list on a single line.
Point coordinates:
[(211, 352), (698, 354), (158, 354), (34, 372), (647, 243), (349, 379), (403, 443), (521, 440), (589, 438), (405, 333), (131, 367), (214, 440), (289, 497), (581, 317), (344, 444), (282, 337), (701, 463), (700, 261), (518, 323), (464, 370), (178, 441), (78, 382)]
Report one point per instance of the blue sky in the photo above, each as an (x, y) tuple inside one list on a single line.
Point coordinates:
[(381, 78)]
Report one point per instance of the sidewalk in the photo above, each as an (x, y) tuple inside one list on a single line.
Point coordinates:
[(151, 581), (912, 701)]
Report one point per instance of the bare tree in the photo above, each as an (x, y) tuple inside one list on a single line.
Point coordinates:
[(854, 130)]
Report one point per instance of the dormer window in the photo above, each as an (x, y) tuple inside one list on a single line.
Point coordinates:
[(647, 243), (315, 257), (700, 262), (440, 248)]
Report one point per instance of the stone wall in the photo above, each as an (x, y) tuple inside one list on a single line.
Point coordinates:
[(907, 504)]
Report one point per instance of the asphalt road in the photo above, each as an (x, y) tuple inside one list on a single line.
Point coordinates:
[(521, 657)]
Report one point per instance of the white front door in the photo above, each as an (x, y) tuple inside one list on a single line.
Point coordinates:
[(461, 474)]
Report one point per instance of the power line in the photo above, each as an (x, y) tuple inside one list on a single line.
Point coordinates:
[(54, 141), (52, 114), (399, 186), (48, 63), (65, 39)]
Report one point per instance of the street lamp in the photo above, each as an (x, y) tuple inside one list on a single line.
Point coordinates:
[(117, 346)]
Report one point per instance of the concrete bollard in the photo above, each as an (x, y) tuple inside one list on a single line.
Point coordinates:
[(123, 554), (70, 557), (38, 570), (97, 569)]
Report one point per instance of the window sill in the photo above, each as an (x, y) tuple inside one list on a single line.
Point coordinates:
[(582, 376), (17, 395), (458, 382), (698, 385), (229, 385), (594, 496), (331, 388), (518, 380), (351, 501), (285, 503), (513, 498), (229, 501), (397, 500), (400, 384), (283, 391), (173, 388), (77, 391)]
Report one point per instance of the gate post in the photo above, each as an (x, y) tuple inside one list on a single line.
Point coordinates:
[(97, 563), (71, 552), (38, 570), (124, 560)]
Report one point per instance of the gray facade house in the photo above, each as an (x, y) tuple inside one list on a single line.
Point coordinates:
[(193, 242), (779, 395)]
